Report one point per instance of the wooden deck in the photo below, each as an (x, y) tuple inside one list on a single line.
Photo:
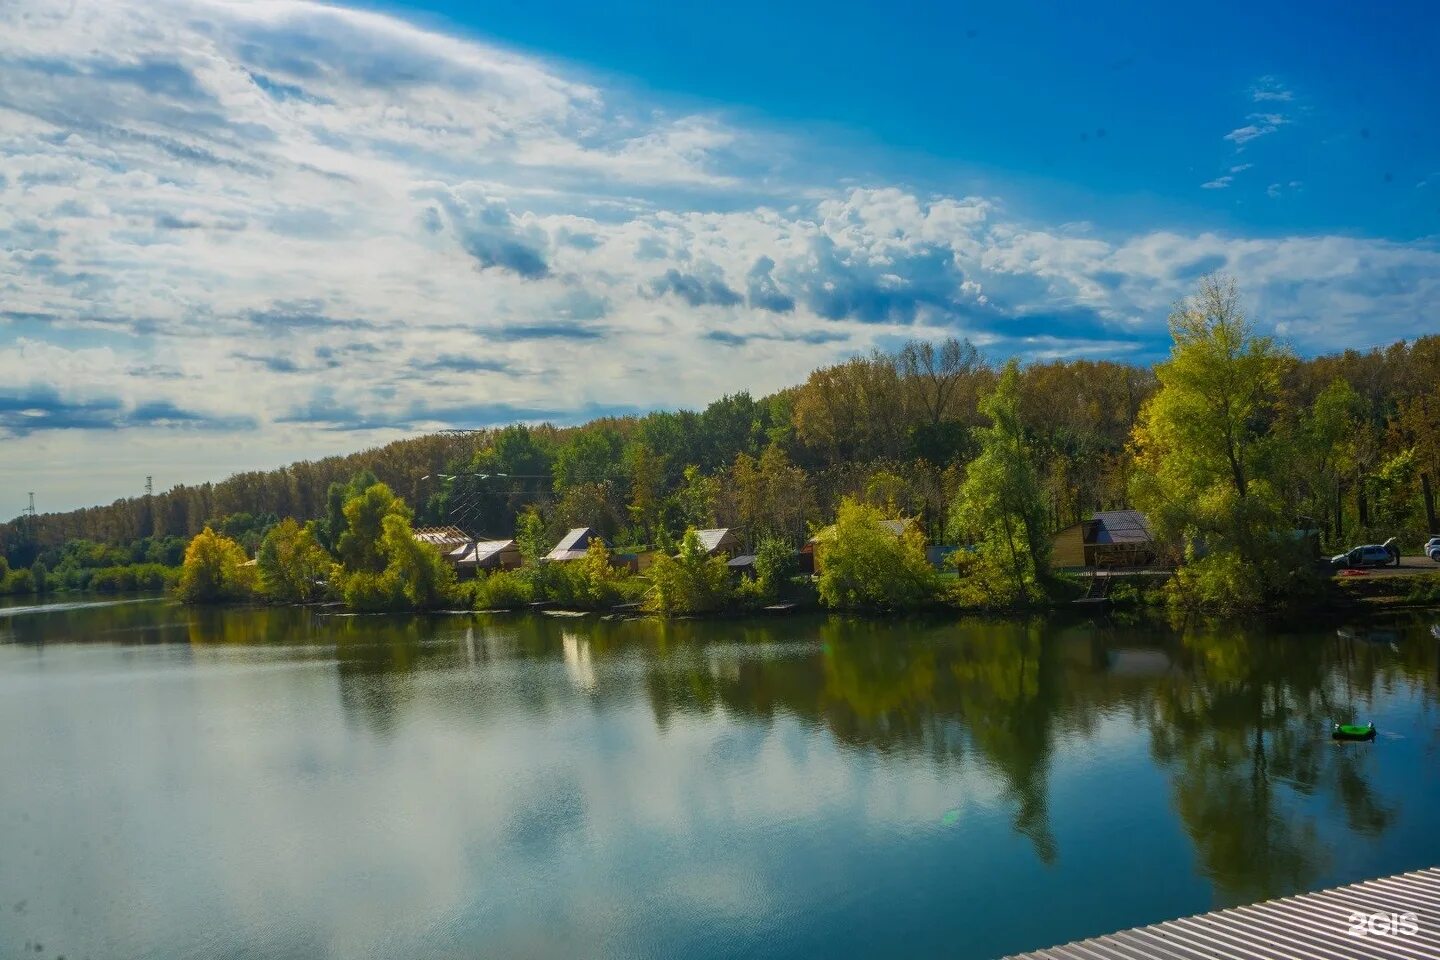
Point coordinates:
[(1311, 926)]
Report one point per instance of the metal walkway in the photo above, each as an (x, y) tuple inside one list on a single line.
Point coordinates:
[(1394, 918)]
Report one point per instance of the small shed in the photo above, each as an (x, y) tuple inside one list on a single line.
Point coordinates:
[(574, 544), (486, 555), (743, 565), (1110, 538)]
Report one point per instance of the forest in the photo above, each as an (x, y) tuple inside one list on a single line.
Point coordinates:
[(1230, 441)]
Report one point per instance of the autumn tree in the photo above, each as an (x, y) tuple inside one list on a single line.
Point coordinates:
[(215, 570)]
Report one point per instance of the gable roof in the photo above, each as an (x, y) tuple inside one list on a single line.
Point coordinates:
[(713, 539), (1121, 526), (897, 527), (574, 544), (480, 552)]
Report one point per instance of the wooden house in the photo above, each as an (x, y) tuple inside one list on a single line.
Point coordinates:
[(574, 544), (721, 540), (1110, 538)]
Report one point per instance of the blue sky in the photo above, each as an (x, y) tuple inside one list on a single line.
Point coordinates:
[(1018, 94), (234, 234)]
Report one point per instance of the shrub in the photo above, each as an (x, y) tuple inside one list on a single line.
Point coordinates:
[(502, 590), (18, 581), (690, 582), (865, 565), (775, 564)]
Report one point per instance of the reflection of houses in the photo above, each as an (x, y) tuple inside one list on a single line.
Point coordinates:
[(812, 554), (1110, 538), (574, 544)]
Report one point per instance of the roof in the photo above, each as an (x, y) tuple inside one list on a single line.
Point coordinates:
[(896, 527), (480, 552), (448, 536), (744, 560), (574, 544), (1121, 526), (1318, 926), (712, 539)]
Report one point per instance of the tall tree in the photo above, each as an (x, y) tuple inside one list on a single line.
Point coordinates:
[(935, 374), (1205, 446), (1002, 504)]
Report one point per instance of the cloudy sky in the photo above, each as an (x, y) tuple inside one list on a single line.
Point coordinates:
[(236, 234)]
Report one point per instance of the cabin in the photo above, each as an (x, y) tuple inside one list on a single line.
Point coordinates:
[(721, 540), (486, 555), (811, 559), (637, 561), (574, 544), (1110, 538)]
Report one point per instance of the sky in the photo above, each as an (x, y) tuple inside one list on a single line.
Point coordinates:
[(237, 234)]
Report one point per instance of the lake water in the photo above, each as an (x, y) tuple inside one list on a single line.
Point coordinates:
[(282, 783)]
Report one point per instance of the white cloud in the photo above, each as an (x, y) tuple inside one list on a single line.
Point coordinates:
[(1269, 89), (311, 218), (1219, 183)]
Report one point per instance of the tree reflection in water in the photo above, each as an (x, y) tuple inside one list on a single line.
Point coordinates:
[(1237, 718)]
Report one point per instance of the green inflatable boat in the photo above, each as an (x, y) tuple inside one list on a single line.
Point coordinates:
[(1353, 731)]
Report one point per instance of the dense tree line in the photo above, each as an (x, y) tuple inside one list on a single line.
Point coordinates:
[(1001, 456)]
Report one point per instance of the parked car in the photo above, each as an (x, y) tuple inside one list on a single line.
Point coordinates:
[(1432, 549), (1370, 555)]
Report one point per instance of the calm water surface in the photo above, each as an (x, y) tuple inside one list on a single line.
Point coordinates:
[(283, 783)]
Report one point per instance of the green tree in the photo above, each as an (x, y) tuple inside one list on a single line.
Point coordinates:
[(865, 565), (359, 546), (592, 456), (691, 582), (336, 496), (1001, 506), (1206, 445), (775, 564), (292, 562), (215, 570), (1321, 453), (382, 565), (696, 498)]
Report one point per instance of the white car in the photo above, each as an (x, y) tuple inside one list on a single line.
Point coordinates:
[(1370, 555), (1432, 549)]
